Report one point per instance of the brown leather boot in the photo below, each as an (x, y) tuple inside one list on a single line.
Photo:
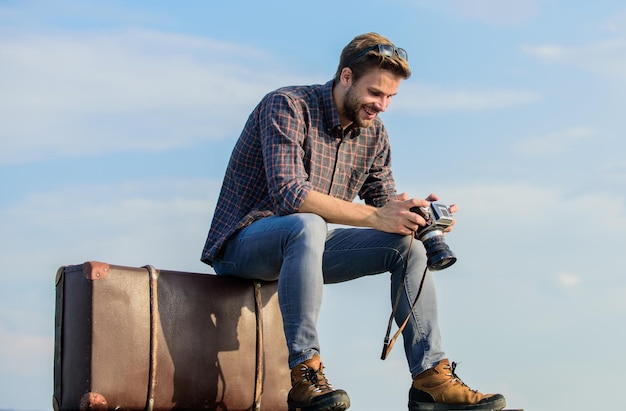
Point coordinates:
[(310, 391), (441, 389)]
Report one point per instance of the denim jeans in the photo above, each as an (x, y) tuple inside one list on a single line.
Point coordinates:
[(301, 252)]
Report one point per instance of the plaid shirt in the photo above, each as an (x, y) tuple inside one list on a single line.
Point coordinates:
[(293, 143)]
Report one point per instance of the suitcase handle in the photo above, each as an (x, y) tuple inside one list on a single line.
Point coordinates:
[(258, 387)]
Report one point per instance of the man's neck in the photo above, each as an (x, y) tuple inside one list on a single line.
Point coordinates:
[(338, 94)]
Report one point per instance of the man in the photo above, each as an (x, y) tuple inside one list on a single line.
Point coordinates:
[(304, 155)]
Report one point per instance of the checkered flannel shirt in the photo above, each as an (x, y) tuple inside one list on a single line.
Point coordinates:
[(293, 143)]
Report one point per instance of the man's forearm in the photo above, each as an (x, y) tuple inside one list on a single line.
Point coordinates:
[(393, 217), (338, 211)]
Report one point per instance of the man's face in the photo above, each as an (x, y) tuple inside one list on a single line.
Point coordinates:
[(368, 96)]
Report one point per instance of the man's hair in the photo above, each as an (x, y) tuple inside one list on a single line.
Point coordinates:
[(372, 59)]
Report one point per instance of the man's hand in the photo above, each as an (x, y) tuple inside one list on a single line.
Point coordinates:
[(452, 207), (396, 217)]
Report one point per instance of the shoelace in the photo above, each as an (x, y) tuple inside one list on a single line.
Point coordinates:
[(317, 379), (455, 377)]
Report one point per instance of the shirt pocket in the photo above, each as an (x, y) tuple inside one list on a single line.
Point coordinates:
[(355, 182)]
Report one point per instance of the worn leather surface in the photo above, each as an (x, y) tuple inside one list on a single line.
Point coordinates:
[(205, 343)]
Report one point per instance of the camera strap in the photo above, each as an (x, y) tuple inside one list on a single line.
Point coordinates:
[(389, 343)]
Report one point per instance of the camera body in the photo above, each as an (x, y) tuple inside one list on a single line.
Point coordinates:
[(438, 217)]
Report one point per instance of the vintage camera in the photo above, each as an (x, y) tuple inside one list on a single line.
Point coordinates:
[(438, 217)]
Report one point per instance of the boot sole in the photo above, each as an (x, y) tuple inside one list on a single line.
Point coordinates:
[(496, 404), (325, 404), (338, 406)]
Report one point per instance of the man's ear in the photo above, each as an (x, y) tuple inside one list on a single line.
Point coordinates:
[(346, 76)]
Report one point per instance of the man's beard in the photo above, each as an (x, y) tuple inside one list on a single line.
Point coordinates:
[(352, 108)]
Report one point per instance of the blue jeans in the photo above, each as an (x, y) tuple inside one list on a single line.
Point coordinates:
[(302, 254)]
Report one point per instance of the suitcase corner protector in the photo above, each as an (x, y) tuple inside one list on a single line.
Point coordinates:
[(95, 270), (93, 401), (60, 272)]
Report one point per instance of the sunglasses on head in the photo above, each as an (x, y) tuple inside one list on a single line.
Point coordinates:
[(383, 49)]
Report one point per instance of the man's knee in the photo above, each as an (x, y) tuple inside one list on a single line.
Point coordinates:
[(409, 247), (310, 225)]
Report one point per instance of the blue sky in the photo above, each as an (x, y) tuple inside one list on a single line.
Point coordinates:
[(117, 119)]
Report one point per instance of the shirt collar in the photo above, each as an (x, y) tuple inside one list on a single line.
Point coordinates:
[(331, 113)]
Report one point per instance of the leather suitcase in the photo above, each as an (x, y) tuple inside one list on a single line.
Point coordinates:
[(147, 339)]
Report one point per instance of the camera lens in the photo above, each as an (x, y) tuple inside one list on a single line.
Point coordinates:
[(437, 251)]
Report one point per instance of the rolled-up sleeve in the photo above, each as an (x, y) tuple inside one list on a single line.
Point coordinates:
[(283, 128)]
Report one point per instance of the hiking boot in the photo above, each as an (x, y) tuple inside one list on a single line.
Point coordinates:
[(310, 391), (441, 389)]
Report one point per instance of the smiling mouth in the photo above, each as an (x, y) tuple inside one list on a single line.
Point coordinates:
[(370, 112)]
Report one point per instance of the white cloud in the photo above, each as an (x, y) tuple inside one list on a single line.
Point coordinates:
[(24, 354), (426, 98), (498, 12), (530, 202), (492, 12), (73, 94), (555, 143), (526, 227), (122, 71), (617, 23), (162, 222), (606, 58), (568, 280), (619, 165)]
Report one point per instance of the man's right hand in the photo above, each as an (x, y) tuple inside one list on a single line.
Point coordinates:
[(396, 217)]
